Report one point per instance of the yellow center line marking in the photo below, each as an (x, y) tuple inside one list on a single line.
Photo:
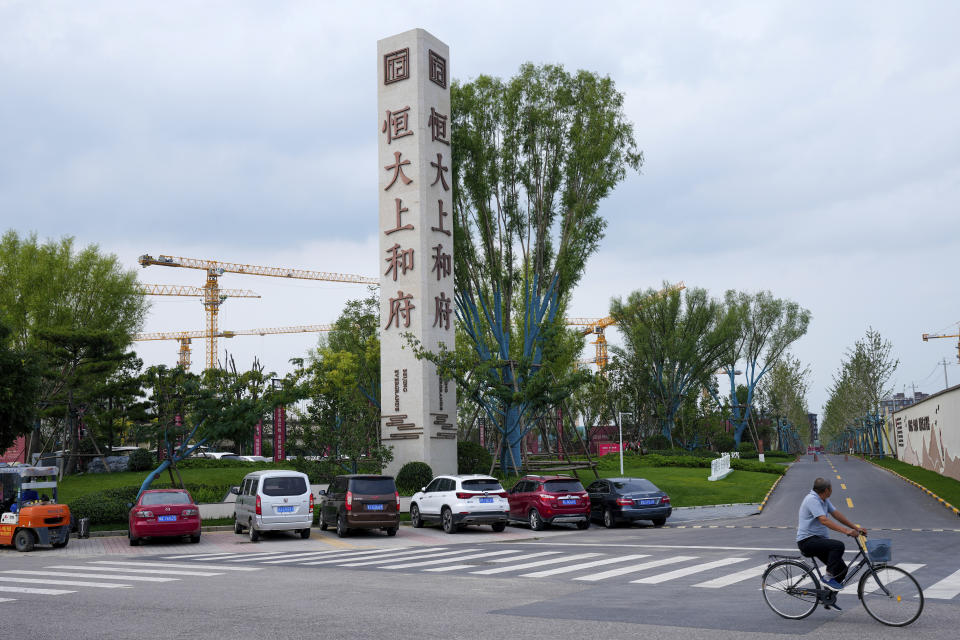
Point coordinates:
[(850, 503), (843, 486)]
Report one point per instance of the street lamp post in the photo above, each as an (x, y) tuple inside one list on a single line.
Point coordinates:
[(620, 415)]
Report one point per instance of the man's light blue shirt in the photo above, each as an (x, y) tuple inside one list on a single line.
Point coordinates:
[(812, 508)]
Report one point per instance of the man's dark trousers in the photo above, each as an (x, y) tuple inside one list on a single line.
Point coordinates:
[(827, 551)]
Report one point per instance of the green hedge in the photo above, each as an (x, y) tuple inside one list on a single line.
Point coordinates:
[(413, 476), (110, 505), (472, 458), (657, 460)]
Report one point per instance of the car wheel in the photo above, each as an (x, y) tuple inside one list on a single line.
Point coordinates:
[(583, 524), (391, 531), (609, 521), (195, 539), (446, 518), (254, 534), (415, 520), (323, 522), (237, 527), (305, 533), (659, 522), (62, 543), (498, 526), (133, 541), (536, 522), (341, 526), (24, 540)]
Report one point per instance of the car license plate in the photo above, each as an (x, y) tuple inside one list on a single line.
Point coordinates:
[(374, 507), (486, 500), (284, 509), (166, 518), (647, 502), (568, 502)]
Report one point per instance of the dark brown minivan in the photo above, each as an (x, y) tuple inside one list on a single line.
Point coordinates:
[(360, 502)]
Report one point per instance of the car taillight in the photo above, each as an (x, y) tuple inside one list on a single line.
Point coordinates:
[(462, 495), (545, 496), (349, 500), (503, 494), (624, 501), (189, 512), (311, 503), (396, 496), (665, 500), (584, 495), (143, 513), (259, 512)]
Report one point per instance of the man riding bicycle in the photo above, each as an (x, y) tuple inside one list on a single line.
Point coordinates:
[(813, 538)]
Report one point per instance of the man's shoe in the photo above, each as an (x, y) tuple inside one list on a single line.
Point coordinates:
[(832, 584)]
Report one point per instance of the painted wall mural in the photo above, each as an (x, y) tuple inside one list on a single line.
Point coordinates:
[(928, 433)]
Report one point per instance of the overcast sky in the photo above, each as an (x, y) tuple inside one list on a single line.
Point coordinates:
[(811, 149)]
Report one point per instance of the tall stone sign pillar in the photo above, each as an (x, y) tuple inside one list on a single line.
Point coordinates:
[(418, 410)]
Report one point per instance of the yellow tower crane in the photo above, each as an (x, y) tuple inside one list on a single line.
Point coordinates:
[(597, 326), (927, 336), (186, 337), (211, 289)]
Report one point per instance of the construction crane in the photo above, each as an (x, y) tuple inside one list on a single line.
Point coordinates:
[(927, 336), (181, 290), (597, 326), (186, 337), (211, 289)]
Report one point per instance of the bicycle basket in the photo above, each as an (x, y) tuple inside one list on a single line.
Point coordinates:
[(880, 550)]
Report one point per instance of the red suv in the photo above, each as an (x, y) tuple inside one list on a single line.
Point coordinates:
[(542, 500)]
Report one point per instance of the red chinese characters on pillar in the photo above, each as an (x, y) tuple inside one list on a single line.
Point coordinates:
[(438, 127), (397, 168), (438, 165), (441, 214), (442, 311), (398, 261), (400, 226), (397, 124), (442, 262), (401, 308)]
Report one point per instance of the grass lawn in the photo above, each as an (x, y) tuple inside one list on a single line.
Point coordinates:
[(946, 488), (75, 486)]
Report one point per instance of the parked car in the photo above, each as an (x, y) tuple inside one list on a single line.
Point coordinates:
[(163, 513), (273, 501), (614, 500), (255, 458), (360, 502), (458, 501), (543, 500)]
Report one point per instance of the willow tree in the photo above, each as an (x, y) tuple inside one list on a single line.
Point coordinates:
[(533, 156)]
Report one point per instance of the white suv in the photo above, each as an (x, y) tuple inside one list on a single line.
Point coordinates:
[(456, 501)]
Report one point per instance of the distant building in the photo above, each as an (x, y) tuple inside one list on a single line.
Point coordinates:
[(899, 401), (814, 428)]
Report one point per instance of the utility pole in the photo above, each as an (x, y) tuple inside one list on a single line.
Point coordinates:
[(946, 385)]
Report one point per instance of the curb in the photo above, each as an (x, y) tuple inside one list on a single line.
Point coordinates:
[(123, 532), (946, 504), (769, 493)]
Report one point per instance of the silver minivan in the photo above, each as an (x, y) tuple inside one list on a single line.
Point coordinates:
[(273, 501)]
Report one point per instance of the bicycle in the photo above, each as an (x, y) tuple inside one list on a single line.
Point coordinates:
[(792, 588)]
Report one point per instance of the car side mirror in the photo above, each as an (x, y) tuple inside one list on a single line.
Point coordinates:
[(235, 490), (322, 492), (129, 505), (424, 489)]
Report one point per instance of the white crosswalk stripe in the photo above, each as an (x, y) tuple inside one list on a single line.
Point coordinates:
[(366, 555), (583, 565), (871, 585), (945, 589), (299, 557), (733, 578), (636, 568), (8, 599), (527, 556), (35, 591), (686, 571), (208, 556), (174, 565), (427, 563), (159, 572), (66, 583), (454, 567), (410, 557), (269, 556), (538, 563), (77, 574)]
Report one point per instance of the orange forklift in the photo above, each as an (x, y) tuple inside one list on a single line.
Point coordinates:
[(28, 516)]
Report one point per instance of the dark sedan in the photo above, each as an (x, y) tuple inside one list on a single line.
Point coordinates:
[(614, 500)]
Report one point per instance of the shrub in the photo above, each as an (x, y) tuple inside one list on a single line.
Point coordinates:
[(140, 460), (723, 443), (110, 505), (657, 441), (412, 476), (472, 458), (747, 449)]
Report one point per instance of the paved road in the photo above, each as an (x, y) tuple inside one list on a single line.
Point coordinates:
[(688, 580)]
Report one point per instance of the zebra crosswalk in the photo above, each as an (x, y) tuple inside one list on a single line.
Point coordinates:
[(64, 579), (702, 569)]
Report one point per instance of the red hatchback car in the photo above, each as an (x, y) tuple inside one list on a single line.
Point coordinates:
[(542, 500), (164, 513)]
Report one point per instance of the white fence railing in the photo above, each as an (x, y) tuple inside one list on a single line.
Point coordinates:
[(720, 467)]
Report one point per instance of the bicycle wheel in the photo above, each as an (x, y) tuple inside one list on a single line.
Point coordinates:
[(904, 603), (790, 589)]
